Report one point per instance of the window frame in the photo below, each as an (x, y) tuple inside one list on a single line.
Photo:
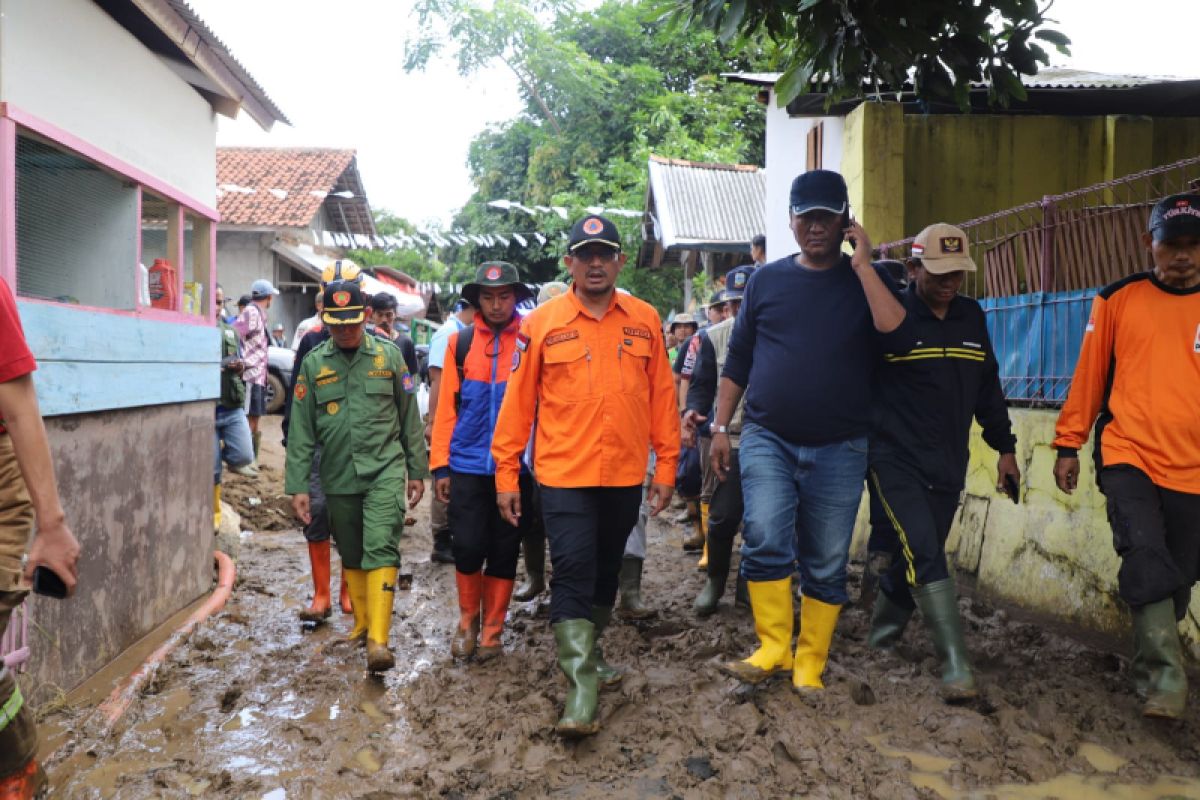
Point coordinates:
[(14, 122)]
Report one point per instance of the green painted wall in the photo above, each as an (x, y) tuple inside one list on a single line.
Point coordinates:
[(1053, 553)]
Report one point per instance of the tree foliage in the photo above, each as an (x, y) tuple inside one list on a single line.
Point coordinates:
[(602, 90), (852, 48)]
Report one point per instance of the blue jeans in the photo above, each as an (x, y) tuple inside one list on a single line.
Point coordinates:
[(231, 441), (801, 503)]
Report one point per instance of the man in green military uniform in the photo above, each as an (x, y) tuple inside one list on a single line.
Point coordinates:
[(355, 397)]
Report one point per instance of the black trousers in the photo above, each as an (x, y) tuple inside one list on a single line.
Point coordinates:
[(587, 529), (480, 535), (912, 522), (724, 516), (317, 530), (1156, 532)]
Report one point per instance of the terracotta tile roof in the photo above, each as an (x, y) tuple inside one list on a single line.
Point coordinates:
[(278, 186)]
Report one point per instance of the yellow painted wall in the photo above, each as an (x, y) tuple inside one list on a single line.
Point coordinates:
[(1053, 553), (873, 165), (1176, 139)]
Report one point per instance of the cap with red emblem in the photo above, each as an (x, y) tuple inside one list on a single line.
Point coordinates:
[(493, 274), (343, 304), (594, 230)]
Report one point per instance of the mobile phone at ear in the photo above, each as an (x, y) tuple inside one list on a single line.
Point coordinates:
[(46, 582), (1012, 489)]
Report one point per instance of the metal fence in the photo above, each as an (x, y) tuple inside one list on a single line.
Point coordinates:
[(1042, 262)]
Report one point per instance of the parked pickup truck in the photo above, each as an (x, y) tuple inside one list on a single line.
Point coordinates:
[(279, 376)]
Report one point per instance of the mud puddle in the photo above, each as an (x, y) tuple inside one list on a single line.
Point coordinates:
[(255, 706)]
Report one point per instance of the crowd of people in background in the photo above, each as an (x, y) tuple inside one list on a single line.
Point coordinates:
[(767, 409)]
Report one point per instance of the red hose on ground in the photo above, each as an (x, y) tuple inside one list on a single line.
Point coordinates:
[(122, 696)]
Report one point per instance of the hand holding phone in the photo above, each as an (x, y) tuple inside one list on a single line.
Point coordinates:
[(46, 582), (1012, 489)]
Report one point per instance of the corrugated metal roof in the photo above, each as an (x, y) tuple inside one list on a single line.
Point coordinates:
[(1048, 78), (713, 205)]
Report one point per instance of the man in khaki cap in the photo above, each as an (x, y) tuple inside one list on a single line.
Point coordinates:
[(918, 449)]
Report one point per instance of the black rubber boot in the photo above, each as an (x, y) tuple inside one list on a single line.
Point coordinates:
[(443, 548)]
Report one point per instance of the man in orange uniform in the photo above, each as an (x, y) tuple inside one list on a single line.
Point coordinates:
[(592, 367), (477, 363), (1139, 371)]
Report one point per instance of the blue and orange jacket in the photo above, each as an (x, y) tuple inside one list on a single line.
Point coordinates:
[(462, 437)]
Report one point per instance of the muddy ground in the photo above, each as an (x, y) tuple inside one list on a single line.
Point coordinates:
[(255, 706)]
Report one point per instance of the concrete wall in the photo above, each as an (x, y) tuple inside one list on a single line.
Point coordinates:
[(137, 488), (72, 65), (1053, 553)]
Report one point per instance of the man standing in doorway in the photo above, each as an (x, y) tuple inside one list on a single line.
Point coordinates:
[(252, 324), (592, 368), (804, 350), (1139, 372)]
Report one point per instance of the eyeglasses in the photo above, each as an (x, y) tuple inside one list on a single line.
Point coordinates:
[(596, 253)]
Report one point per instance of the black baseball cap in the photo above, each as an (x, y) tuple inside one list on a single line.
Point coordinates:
[(1175, 216), (344, 304), (594, 230), (735, 282), (819, 190)]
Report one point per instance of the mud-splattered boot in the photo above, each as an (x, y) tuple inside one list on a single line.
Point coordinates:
[(695, 542), (344, 599), (938, 602), (817, 621), (877, 564), (470, 603), (496, 594), (888, 621), (24, 784), (575, 639), (773, 622), (1158, 660), (606, 674), (630, 582), (322, 605), (381, 594), (356, 585), (534, 546), (443, 547), (714, 587)]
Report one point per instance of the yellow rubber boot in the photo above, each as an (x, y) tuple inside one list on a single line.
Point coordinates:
[(356, 585), (817, 621), (381, 592), (773, 622), (703, 562), (217, 507)]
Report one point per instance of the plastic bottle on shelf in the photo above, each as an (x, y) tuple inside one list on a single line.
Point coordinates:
[(163, 285)]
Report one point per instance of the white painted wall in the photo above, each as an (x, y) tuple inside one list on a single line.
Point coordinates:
[(72, 65), (786, 155)]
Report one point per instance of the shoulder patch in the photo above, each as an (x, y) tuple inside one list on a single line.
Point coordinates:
[(301, 391), (408, 383)]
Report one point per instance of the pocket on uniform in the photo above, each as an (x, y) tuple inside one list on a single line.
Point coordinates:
[(635, 365), (330, 397), (566, 369), (379, 386)]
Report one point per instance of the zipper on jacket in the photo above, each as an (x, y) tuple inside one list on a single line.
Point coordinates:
[(491, 467)]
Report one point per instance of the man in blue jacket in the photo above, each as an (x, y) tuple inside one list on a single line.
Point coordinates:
[(811, 330)]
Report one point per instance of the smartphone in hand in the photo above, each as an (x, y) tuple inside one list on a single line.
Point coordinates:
[(46, 582), (1012, 489)]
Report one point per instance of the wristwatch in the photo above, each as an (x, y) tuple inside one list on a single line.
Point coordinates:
[(721, 429)]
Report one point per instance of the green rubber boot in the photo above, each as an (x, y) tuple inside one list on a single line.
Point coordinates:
[(888, 621), (630, 581), (575, 639), (1158, 660), (938, 602), (606, 674), (719, 557)]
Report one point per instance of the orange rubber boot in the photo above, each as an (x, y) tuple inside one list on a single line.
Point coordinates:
[(23, 784), (497, 592), (469, 589), (344, 596), (322, 604)]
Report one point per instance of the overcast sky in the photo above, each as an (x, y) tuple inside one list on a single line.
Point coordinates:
[(336, 71)]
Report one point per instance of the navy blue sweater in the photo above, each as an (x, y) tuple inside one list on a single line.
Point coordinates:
[(806, 349)]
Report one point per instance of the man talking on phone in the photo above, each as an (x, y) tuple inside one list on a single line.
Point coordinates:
[(925, 402), (28, 493), (812, 328)]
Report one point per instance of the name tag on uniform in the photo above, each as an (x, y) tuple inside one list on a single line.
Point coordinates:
[(639, 332), (327, 381), (380, 373), (560, 337)]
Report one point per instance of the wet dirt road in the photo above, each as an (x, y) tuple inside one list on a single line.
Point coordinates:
[(254, 706)]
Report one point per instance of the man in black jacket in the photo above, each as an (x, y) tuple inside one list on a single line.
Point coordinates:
[(925, 402)]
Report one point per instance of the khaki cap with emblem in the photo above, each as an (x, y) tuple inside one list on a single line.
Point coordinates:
[(943, 248)]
